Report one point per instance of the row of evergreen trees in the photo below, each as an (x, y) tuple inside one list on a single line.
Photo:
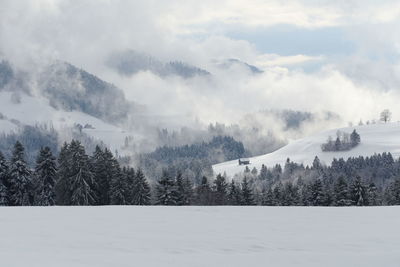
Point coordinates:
[(72, 179), (75, 178)]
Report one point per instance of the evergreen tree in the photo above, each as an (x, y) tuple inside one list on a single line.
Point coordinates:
[(372, 193), (20, 178), (268, 197), (204, 193), (220, 190), (247, 193), (4, 182), (82, 182), (234, 194), (119, 187), (64, 182), (102, 162), (278, 194), (357, 192), (141, 192), (45, 173), (166, 191), (341, 193), (355, 138), (185, 190), (317, 193)]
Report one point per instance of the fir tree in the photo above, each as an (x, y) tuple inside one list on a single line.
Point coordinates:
[(372, 193), (64, 183), (45, 173), (268, 197), (247, 193), (355, 138), (141, 192), (166, 191), (4, 182), (234, 194), (220, 191), (317, 193), (102, 171), (184, 190), (204, 193), (278, 194), (341, 193), (119, 188), (82, 182), (357, 192), (20, 178)]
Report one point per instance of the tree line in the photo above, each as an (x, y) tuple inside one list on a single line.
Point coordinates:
[(75, 178)]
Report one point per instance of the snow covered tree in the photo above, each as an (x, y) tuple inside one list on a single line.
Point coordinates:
[(372, 193), (119, 187), (317, 194), (184, 190), (220, 190), (385, 115), (341, 193), (4, 182), (203, 193), (355, 138), (82, 182), (64, 183), (166, 191), (141, 190), (268, 197), (45, 178), (247, 193), (20, 178), (101, 162), (234, 194), (278, 194), (357, 192)]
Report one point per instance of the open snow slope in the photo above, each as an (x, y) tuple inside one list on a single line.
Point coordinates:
[(31, 110), (375, 138), (199, 236)]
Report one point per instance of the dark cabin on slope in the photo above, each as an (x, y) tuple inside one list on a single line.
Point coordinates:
[(244, 161)]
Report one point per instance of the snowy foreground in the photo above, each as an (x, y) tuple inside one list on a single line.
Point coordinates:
[(199, 236)]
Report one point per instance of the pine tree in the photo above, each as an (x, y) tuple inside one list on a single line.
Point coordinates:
[(317, 193), (102, 171), (357, 192), (64, 182), (234, 194), (45, 173), (119, 188), (141, 190), (278, 194), (268, 197), (341, 193), (220, 190), (355, 138), (373, 199), (20, 178), (82, 182), (166, 191), (247, 193), (4, 182), (184, 190), (203, 193)]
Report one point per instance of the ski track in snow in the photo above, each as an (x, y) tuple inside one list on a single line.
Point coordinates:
[(375, 138), (199, 236)]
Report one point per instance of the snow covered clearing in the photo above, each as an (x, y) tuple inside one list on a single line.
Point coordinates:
[(375, 138), (199, 236)]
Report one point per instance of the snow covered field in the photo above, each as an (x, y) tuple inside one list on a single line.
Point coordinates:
[(375, 138), (199, 236)]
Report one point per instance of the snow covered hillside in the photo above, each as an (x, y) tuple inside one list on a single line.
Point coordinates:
[(199, 236), (375, 138), (29, 110)]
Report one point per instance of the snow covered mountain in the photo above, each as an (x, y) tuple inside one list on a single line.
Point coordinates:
[(233, 62), (375, 138), (130, 62)]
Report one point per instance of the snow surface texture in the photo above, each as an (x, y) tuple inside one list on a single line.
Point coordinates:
[(375, 138), (199, 236)]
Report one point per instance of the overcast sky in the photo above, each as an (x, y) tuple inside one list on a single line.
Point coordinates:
[(340, 56)]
